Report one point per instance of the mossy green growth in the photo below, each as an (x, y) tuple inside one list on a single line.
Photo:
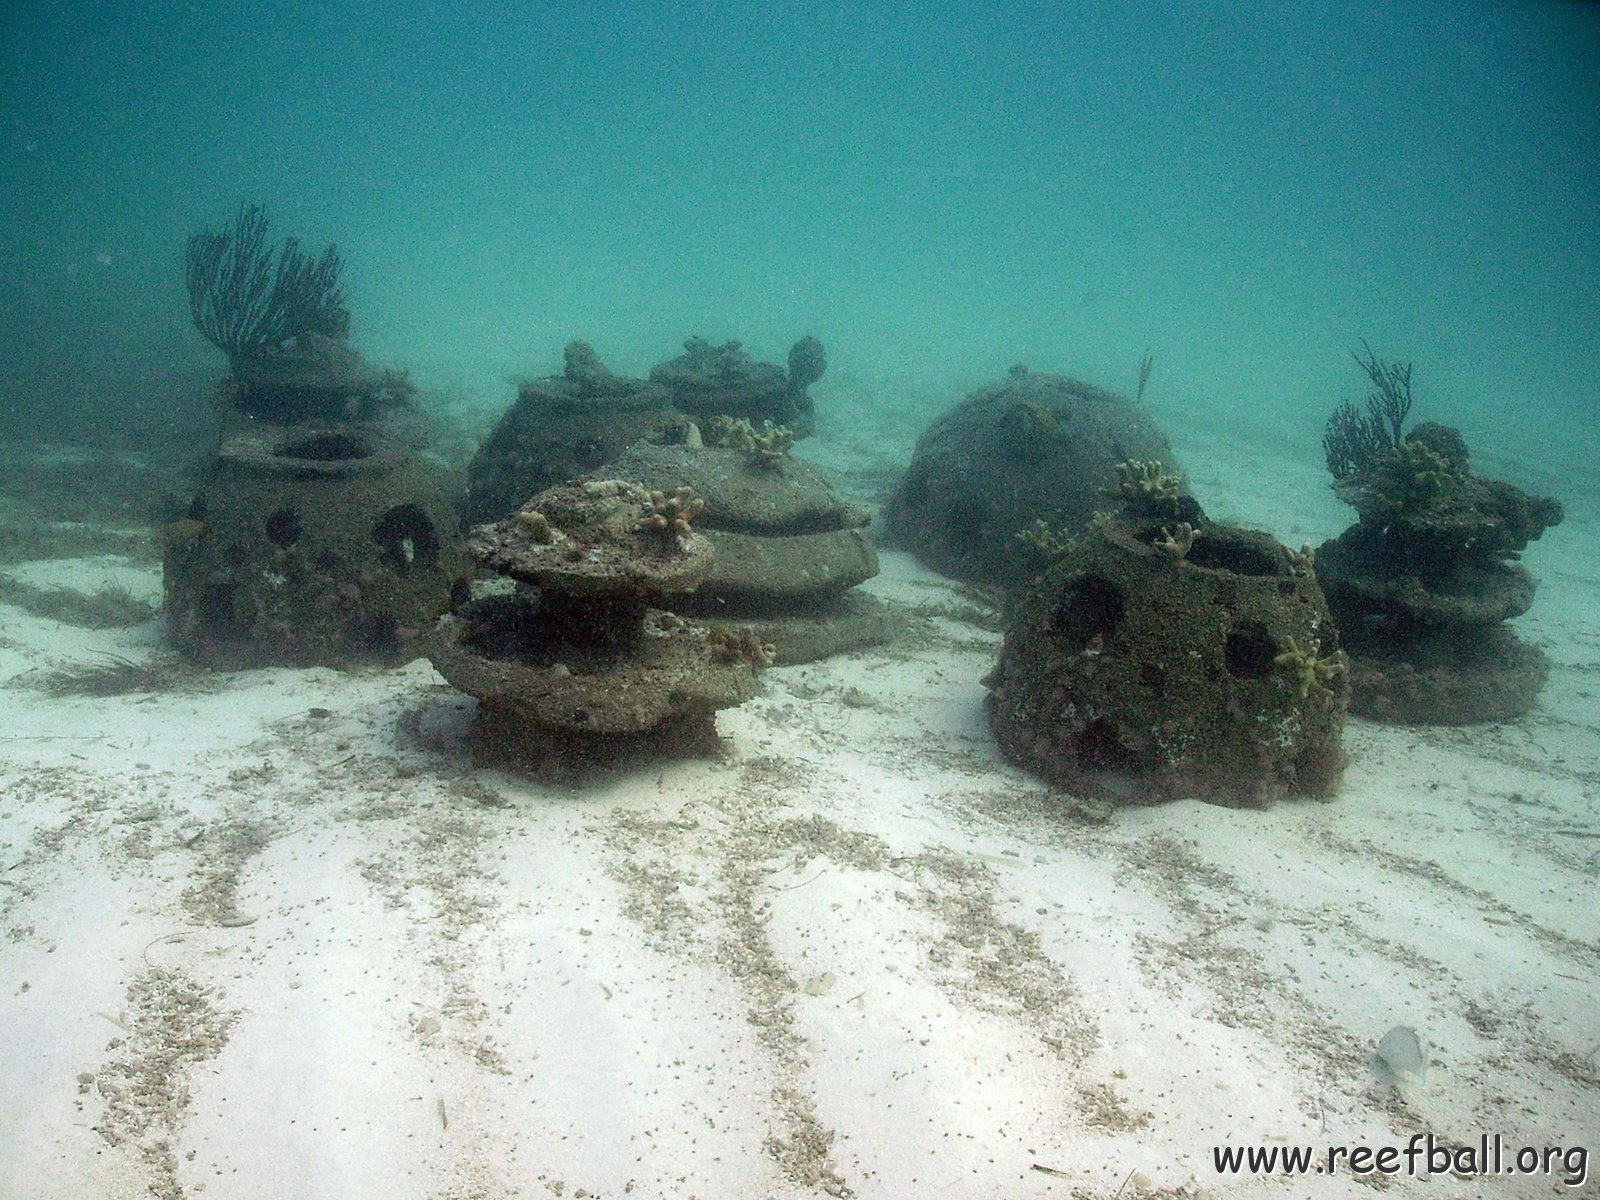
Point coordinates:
[(1044, 421)]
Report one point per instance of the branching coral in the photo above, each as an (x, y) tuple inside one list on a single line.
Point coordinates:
[(1046, 540), (740, 645), (1146, 484), (1309, 668), (1410, 475), (245, 303), (670, 516), (1356, 439), (1176, 543), (767, 445)]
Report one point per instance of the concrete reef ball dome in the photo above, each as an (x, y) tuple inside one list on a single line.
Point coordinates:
[(1036, 447)]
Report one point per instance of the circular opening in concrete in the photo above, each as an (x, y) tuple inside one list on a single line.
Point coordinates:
[(216, 610), (326, 447), (1098, 747), (407, 539), (283, 527), (1248, 651), (1222, 552), (1089, 609)]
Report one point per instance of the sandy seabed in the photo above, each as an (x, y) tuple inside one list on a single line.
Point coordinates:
[(275, 935)]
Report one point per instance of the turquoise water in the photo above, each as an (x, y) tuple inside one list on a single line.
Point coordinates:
[(936, 191), (328, 955)]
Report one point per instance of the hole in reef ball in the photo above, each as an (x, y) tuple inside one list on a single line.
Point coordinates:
[(407, 539), (1248, 652), (1090, 607), (284, 527), (215, 607), (1224, 553), (378, 633), (1100, 749), (326, 447)]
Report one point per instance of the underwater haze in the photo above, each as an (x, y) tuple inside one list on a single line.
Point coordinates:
[(925, 848), (936, 191)]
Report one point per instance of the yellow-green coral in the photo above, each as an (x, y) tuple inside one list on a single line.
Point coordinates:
[(1309, 668), (767, 445), (538, 526), (1146, 483), (1410, 475), (671, 515), (740, 645), (1176, 543), (1048, 541), (729, 433), (1043, 422), (183, 531), (1303, 562), (772, 443)]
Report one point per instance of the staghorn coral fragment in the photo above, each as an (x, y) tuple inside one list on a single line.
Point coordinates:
[(1048, 541), (1145, 483), (767, 445), (1308, 667), (1410, 476), (671, 516), (771, 443), (1176, 543)]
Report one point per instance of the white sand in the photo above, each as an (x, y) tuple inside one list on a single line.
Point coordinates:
[(282, 939)]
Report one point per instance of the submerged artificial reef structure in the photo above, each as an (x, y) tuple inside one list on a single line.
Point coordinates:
[(316, 536), (789, 550), (575, 662), (673, 547), (565, 426), (1035, 451), (1150, 652), (1162, 655), (1422, 584)]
